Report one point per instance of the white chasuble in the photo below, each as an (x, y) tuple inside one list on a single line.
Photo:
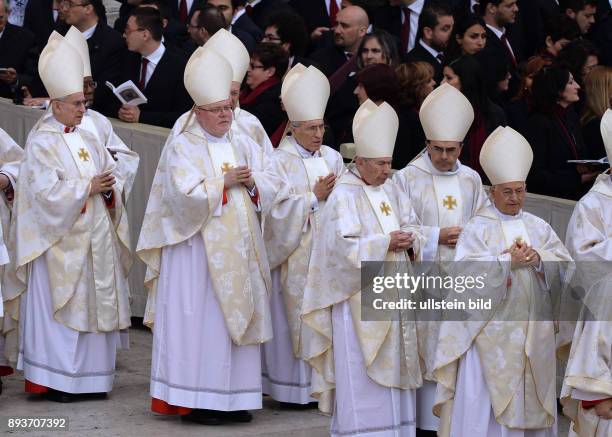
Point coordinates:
[(354, 234), (588, 374), (514, 345), (10, 156), (449, 200), (292, 224), (186, 197)]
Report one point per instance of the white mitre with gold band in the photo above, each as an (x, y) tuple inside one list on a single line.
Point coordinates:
[(76, 39), (446, 114), (506, 156), (606, 133), (208, 77), (232, 49), (60, 67), (304, 93), (375, 130)]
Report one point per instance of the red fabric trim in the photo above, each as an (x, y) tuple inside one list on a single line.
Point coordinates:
[(255, 198), (31, 387), (249, 96), (590, 404), (162, 407), (84, 210), (110, 202), (6, 371), (224, 197), (277, 135)]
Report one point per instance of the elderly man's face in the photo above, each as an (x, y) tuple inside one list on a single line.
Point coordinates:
[(309, 134), (215, 118), (70, 110), (509, 198), (375, 171)]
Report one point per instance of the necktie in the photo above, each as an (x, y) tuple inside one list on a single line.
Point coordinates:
[(183, 14), (143, 74), (333, 11), (249, 10), (506, 44), (405, 35), (440, 57)]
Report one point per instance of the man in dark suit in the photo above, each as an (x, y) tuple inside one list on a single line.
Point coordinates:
[(352, 25), (317, 14), (435, 30), (394, 19), (155, 69), (42, 17), (16, 45), (182, 10), (106, 47), (205, 22), (287, 28), (502, 46), (237, 18), (581, 11)]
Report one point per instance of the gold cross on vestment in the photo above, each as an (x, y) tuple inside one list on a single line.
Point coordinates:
[(449, 203), (385, 208), (83, 154), (226, 167)]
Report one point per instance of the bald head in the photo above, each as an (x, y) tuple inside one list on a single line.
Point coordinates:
[(351, 26)]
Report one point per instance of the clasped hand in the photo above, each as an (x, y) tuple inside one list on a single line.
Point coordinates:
[(400, 241), (522, 255), (239, 175), (102, 183)]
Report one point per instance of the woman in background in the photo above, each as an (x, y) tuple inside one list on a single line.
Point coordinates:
[(598, 94)]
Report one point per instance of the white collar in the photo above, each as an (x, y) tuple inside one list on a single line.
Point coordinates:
[(253, 3), (156, 56), (213, 139), (305, 153), (506, 217), (237, 15), (89, 32), (433, 52), (2, 33), (416, 7), (498, 33)]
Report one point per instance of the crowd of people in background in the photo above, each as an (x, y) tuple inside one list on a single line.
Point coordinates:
[(538, 66)]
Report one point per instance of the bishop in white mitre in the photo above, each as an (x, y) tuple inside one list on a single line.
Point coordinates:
[(70, 229), (366, 372), (10, 157), (244, 123), (207, 271), (496, 371), (95, 123), (445, 195), (587, 389), (308, 170)]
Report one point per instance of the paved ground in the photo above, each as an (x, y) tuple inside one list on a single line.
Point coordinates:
[(126, 412)]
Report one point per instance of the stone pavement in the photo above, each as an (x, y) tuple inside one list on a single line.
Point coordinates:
[(126, 412)]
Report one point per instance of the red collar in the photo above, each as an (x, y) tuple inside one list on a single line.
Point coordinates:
[(68, 129), (247, 97)]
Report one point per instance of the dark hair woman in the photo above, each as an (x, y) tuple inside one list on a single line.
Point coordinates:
[(470, 37), (261, 97), (555, 136), (416, 82), (466, 74)]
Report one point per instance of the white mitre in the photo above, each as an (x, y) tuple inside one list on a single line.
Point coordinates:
[(60, 67), (606, 133), (208, 77), (304, 93), (506, 156), (375, 130), (446, 114), (76, 39), (232, 49)]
